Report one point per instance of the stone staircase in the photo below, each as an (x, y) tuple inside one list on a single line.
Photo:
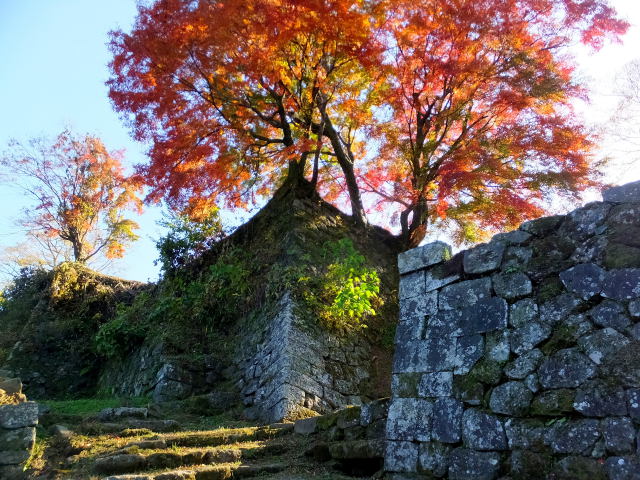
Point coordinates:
[(126, 444)]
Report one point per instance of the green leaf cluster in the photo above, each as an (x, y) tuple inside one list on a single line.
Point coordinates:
[(347, 293)]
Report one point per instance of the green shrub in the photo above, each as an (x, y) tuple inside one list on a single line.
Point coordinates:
[(347, 292)]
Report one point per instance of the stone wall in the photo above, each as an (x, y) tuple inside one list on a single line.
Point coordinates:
[(17, 437), (289, 364), (280, 365), (520, 358)]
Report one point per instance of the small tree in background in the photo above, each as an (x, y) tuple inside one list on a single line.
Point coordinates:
[(79, 192)]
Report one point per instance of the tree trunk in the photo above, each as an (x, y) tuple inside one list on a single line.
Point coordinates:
[(413, 233)]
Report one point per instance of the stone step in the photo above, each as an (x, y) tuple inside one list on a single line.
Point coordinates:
[(159, 426), (226, 436), (123, 461), (213, 472)]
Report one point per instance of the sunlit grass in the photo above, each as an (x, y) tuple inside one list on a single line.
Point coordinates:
[(89, 406)]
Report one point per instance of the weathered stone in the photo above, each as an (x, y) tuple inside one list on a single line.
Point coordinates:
[(577, 467), (565, 369), (438, 384), (553, 402), (623, 468), (623, 366), (542, 226), (619, 435), (411, 285), (522, 313), (401, 457), (516, 257), (464, 294), (634, 331), (409, 419), (405, 385), (484, 257), (602, 343), (617, 255), (530, 464), (18, 416), (373, 411), (482, 431), (466, 464), (435, 278), (11, 386), (583, 222), (409, 329), (532, 382), (110, 414), (13, 457), (634, 308), (524, 365), (120, 463), (524, 433), (434, 354), (511, 285), (172, 383), (633, 401), (591, 250), (511, 398), (445, 322), (573, 436), (424, 256), (447, 420), (585, 280), (497, 345), (469, 391), (597, 398), (418, 307), (609, 314), (306, 426), (514, 237), (526, 338), (485, 316), (469, 350), (558, 308), (433, 458), (622, 284), (357, 449), (629, 192), (18, 439)]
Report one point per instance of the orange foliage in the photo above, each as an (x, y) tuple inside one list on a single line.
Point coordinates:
[(456, 109)]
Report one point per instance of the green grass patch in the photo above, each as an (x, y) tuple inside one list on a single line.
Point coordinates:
[(89, 406)]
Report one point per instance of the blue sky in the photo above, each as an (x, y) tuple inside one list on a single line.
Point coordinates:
[(53, 59)]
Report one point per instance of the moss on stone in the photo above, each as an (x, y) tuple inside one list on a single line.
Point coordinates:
[(617, 255), (542, 226), (406, 385), (532, 465), (548, 288), (553, 403), (486, 371), (563, 336)]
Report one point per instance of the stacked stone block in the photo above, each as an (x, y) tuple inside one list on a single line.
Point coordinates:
[(17, 437), (294, 366), (520, 358)]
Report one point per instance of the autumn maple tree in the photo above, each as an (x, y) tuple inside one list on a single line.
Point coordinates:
[(452, 111), (80, 193)]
